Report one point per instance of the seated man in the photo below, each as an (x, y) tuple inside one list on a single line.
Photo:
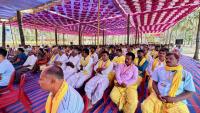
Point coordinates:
[(62, 59), (20, 58), (62, 98), (119, 59), (142, 64), (6, 69), (72, 64), (27, 66), (84, 70), (124, 93), (155, 64), (96, 86), (172, 85), (94, 55), (54, 56)]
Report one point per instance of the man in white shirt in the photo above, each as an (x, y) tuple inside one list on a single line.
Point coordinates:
[(6, 69), (27, 66), (71, 64), (61, 60), (94, 55)]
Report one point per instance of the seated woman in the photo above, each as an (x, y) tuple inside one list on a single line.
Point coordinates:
[(42, 59), (96, 86), (84, 70), (20, 58), (124, 93)]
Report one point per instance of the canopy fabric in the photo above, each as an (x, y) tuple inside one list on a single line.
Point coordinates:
[(157, 15), (9, 8), (147, 16)]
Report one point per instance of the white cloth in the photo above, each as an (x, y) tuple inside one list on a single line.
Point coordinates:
[(63, 59), (95, 58), (77, 80), (149, 68), (68, 71), (96, 86), (31, 60)]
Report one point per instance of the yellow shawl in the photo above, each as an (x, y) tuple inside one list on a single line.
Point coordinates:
[(176, 79), (155, 62), (52, 59), (85, 61), (119, 60), (136, 61), (106, 65), (52, 104)]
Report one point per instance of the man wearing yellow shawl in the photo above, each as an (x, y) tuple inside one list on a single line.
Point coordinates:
[(155, 64), (119, 59), (124, 94), (54, 56), (142, 64), (172, 85), (62, 98), (147, 53), (84, 70), (96, 86)]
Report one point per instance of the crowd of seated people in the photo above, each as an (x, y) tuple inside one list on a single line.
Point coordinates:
[(128, 70)]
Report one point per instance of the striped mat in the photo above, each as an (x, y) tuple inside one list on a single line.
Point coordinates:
[(38, 96)]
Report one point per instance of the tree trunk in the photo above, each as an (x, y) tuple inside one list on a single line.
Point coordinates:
[(20, 28), (3, 35), (196, 54)]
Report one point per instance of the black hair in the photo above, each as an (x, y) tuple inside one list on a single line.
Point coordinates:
[(140, 51), (21, 50), (130, 54), (163, 50), (120, 50), (3, 52), (55, 71), (106, 52), (93, 47), (86, 50), (175, 55)]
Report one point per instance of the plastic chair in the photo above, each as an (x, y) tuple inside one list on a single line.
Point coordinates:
[(13, 96), (10, 86)]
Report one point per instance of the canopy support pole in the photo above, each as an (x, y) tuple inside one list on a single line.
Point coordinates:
[(103, 38), (128, 28), (98, 32), (141, 37), (20, 28), (56, 36), (95, 39), (12, 35), (36, 37), (63, 39), (79, 35), (3, 35)]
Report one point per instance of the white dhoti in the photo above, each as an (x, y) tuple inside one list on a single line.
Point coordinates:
[(95, 87), (78, 79)]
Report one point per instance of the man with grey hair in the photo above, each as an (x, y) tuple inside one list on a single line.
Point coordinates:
[(62, 98)]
